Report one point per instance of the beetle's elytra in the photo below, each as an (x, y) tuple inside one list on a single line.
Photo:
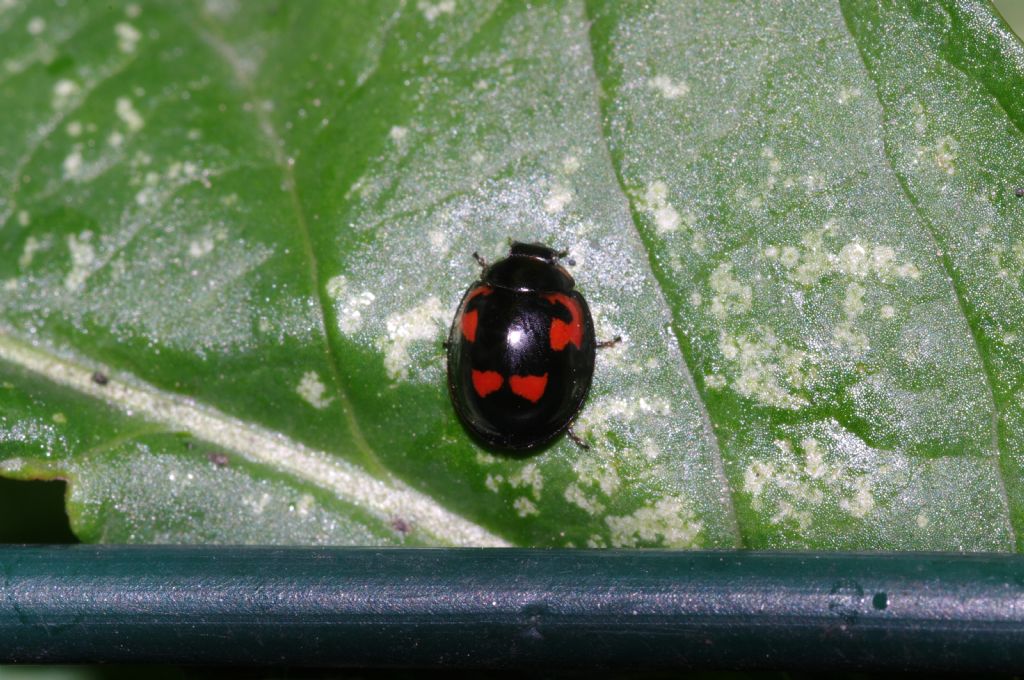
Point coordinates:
[(521, 351)]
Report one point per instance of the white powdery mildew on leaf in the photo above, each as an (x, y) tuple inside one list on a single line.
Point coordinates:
[(729, 296), (848, 94), (405, 330), (668, 88), (809, 264), (943, 154), (558, 197), (575, 495), (596, 483), (83, 255), (763, 367), (438, 241), (28, 252), (757, 363), (201, 247), (524, 507), (431, 10), (857, 321), (156, 271), (87, 161), (605, 413), (65, 94), (669, 522), (79, 169), (794, 487), (312, 389), (655, 203), (845, 334), (36, 26), (816, 477), (128, 37), (126, 111), (73, 165), (527, 478), (349, 306)]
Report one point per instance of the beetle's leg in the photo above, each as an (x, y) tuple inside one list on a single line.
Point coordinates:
[(576, 439), (446, 345), (604, 344), (479, 260)]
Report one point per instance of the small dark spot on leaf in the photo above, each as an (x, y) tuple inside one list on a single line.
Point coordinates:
[(218, 458), (400, 525), (1019, 191), (100, 378), (880, 601)]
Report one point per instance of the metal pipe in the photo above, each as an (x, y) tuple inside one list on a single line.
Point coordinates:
[(509, 608)]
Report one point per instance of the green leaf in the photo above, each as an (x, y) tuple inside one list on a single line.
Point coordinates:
[(254, 221)]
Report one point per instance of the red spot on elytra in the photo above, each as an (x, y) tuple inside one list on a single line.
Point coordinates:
[(470, 319), (529, 387), (563, 333), (482, 290), (485, 382)]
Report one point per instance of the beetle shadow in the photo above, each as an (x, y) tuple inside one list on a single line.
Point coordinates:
[(523, 453)]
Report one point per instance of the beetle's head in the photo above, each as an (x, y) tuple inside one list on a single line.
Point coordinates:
[(530, 267), (537, 250)]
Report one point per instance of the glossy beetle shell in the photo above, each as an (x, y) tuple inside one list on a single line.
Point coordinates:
[(521, 351)]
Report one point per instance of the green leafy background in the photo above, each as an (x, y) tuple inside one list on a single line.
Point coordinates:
[(255, 221)]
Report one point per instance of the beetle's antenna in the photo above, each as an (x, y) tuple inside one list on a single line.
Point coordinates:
[(479, 260)]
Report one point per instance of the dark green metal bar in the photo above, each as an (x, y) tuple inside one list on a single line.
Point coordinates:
[(511, 608)]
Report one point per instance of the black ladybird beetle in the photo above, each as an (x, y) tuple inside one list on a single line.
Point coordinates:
[(521, 351)]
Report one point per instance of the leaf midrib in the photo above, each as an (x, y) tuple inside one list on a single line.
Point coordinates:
[(346, 481)]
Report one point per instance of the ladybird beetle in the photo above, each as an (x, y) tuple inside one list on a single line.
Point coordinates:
[(521, 351)]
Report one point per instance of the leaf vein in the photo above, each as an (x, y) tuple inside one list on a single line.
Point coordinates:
[(948, 271), (223, 49), (347, 481), (603, 134)]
